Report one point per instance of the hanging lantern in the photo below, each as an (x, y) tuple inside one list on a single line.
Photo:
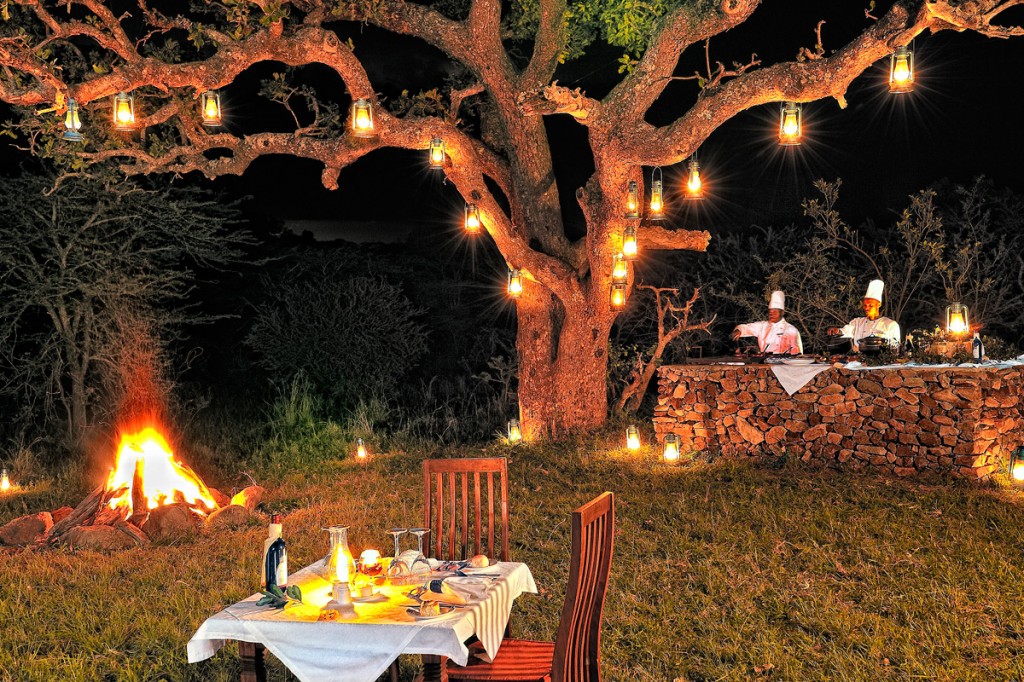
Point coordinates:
[(632, 438), (657, 196), (956, 319), (671, 451), (362, 119), (515, 282), (5, 481), (620, 268), (472, 219), (791, 126), (633, 200), (901, 70), (210, 103), (1016, 470), (124, 111), (437, 153), (618, 296), (361, 453), (72, 123), (515, 434), (694, 186), (629, 246)]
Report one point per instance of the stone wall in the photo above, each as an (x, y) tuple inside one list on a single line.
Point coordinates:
[(910, 420)]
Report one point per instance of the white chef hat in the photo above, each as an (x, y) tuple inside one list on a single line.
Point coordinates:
[(874, 291), (778, 301)]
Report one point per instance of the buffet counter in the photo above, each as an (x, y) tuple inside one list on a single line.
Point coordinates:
[(904, 419)]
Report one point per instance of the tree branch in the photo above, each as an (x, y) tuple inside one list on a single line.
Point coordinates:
[(656, 238), (548, 45)]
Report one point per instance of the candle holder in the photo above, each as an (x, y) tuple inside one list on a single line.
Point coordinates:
[(341, 600)]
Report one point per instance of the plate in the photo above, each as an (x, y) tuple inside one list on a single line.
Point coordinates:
[(414, 611), (799, 362), (378, 597)]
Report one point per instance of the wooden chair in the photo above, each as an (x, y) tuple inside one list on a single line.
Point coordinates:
[(575, 655), (456, 492)]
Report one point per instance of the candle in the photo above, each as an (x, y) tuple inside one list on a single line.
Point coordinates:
[(369, 562)]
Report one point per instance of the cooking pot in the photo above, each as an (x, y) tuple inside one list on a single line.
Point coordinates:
[(872, 345), (839, 345), (747, 345)]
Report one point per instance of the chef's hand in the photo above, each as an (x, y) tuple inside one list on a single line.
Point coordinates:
[(735, 334), (834, 331)]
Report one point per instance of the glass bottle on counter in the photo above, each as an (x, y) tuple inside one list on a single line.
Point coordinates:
[(275, 556), (978, 348)]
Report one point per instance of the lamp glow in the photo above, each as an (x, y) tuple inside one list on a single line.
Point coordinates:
[(790, 125), (515, 282), (124, 111), (901, 70), (1016, 469), (956, 319), (632, 438), (515, 433), (210, 103), (472, 219), (72, 123), (657, 196), (361, 453), (362, 119), (694, 185), (437, 153), (630, 251), (620, 268), (618, 295), (671, 448), (633, 200), (5, 481)]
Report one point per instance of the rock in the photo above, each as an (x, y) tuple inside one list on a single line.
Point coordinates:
[(750, 434), (904, 472), (907, 397), (868, 386), (776, 434), (816, 432), (892, 380), (220, 498), (97, 539), (26, 530), (231, 516), (170, 523), (61, 514)]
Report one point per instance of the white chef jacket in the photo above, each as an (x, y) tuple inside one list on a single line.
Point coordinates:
[(861, 327), (781, 337)]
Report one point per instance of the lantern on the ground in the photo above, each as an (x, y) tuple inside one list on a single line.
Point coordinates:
[(657, 196), (956, 319), (632, 438), (791, 124), (901, 70), (361, 453), (72, 123), (618, 295), (694, 186), (437, 153), (124, 111), (629, 246), (1016, 470), (515, 434), (210, 103), (620, 268), (515, 282), (472, 219), (633, 200), (5, 481), (362, 119), (671, 448)]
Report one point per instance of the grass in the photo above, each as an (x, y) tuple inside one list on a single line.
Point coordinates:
[(723, 571)]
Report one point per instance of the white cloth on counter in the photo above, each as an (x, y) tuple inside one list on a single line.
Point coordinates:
[(361, 649), (861, 327), (780, 337), (795, 377)]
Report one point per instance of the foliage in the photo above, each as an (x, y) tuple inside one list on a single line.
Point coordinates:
[(825, 575), (276, 598), (95, 276), (352, 336)]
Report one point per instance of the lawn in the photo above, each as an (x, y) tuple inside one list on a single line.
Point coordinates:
[(722, 571)]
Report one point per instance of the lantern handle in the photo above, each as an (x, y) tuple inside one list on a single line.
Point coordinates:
[(657, 169)]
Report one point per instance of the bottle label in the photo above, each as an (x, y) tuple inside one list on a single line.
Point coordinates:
[(282, 570)]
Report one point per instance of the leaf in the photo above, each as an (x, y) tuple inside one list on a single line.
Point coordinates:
[(294, 592)]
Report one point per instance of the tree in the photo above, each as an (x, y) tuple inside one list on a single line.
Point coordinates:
[(92, 280), (499, 156)]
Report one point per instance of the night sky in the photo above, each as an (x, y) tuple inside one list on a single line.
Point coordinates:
[(964, 119)]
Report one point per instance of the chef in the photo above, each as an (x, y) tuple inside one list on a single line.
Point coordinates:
[(776, 335), (873, 323)]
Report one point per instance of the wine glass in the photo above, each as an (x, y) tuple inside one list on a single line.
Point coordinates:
[(420, 558), (397, 568)]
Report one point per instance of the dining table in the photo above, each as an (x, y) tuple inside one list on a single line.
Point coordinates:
[(385, 626)]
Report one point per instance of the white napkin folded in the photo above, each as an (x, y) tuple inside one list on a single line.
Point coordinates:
[(469, 588)]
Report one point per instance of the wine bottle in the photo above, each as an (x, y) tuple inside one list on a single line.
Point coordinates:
[(978, 348), (272, 536)]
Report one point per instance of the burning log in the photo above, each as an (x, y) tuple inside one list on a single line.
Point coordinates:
[(83, 515)]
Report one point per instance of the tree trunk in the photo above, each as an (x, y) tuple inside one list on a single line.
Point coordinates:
[(563, 366)]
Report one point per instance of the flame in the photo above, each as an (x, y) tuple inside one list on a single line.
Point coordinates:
[(5, 483), (145, 456), (1017, 470), (212, 110), (789, 125), (363, 119), (124, 112), (957, 325)]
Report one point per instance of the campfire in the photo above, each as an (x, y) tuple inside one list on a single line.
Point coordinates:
[(149, 495)]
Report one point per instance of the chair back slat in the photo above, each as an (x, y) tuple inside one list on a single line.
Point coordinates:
[(578, 644), (454, 522)]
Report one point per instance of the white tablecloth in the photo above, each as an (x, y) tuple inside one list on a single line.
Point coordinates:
[(795, 377), (361, 649)]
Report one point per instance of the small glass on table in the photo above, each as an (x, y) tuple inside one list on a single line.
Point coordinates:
[(397, 568), (420, 558)]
